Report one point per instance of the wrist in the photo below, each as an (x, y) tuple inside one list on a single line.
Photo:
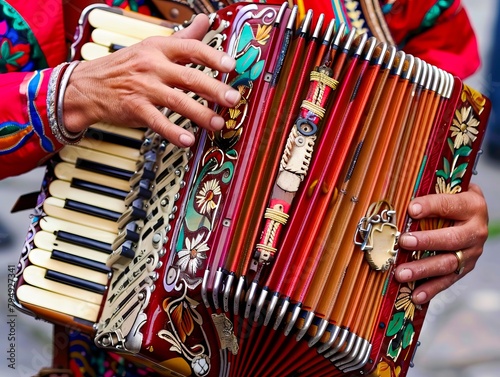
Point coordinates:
[(58, 83), (77, 112)]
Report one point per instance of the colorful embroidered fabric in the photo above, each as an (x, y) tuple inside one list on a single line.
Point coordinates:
[(86, 360), (437, 31), (20, 51)]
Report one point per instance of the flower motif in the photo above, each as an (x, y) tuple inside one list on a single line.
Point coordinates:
[(404, 302), (385, 370), (13, 56), (464, 127), (476, 99), (191, 258), (442, 187), (207, 195), (181, 316), (263, 33)]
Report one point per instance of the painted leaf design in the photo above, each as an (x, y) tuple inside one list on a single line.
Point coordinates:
[(246, 37), (450, 144), (442, 174), (459, 171), (245, 61), (463, 151), (243, 79), (408, 335), (5, 49), (256, 70), (394, 347), (396, 324), (182, 321), (455, 182), (446, 167)]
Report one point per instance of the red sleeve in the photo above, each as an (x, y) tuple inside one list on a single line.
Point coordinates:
[(26, 139), (438, 32)]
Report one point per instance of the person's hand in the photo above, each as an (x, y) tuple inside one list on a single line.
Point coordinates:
[(127, 87), (469, 233)]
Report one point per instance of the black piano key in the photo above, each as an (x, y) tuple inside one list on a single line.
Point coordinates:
[(98, 189), (75, 282), (78, 240), (137, 213), (97, 167), (113, 138), (91, 210), (76, 260), (126, 251), (115, 47), (131, 236)]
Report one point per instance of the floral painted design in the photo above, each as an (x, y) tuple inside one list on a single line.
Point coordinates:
[(464, 127), (215, 173), (185, 319), (401, 327), (449, 179), (207, 196), (385, 370), (191, 258)]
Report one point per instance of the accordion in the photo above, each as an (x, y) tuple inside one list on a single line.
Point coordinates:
[(267, 248)]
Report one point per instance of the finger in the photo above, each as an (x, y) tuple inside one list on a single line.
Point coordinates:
[(449, 206), (441, 264), (185, 51), (158, 122), (190, 79), (439, 269), (428, 290), (448, 238), (196, 30), (185, 105)]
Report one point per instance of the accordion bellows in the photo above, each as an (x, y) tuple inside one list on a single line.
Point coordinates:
[(266, 249)]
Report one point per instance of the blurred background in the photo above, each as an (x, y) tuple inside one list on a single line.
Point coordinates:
[(461, 334)]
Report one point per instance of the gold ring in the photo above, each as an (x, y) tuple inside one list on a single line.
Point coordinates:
[(461, 262)]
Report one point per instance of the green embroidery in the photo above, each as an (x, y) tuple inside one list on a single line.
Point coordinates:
[(19, 34), (435, 12), (429, 20)]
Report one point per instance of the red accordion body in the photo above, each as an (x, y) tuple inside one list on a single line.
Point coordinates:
[(268, 248)]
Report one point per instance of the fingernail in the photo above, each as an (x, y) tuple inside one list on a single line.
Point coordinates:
[(232, 96), (228, 63), (405, 274), (416, 209), (408, 240), (217, 122), (420, 298), (186, 139)]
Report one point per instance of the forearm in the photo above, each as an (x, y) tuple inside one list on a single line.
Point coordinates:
[(26, 139)]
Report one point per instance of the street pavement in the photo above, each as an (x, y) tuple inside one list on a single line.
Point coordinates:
[(461, 334)]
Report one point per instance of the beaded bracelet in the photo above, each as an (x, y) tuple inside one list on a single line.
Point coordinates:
[(51, 100)]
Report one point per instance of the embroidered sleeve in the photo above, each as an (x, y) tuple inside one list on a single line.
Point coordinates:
[(26, 139)]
